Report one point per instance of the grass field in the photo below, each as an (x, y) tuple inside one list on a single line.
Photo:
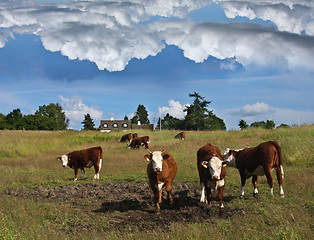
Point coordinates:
[(28, 164)]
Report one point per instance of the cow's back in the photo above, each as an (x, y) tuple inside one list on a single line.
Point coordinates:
[(264, 154)]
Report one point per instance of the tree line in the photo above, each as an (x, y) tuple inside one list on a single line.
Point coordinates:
[(47, 117), (52, 117)]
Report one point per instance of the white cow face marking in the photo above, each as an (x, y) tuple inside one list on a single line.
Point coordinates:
[(230, 158), (215, 165), (64, 160), (157, 161)]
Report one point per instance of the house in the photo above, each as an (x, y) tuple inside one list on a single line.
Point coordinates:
[(108, 125)]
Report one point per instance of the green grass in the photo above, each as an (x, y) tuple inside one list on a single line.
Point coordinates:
[(29, 159)]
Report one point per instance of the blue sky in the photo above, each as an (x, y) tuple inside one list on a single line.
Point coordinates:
[(253, 59)]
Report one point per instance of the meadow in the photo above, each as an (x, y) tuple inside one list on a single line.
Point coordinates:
[(39, 199)]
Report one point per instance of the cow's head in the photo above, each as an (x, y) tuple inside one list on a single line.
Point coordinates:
[(214, 166), (64, 159), (157, 158), (229, 156)]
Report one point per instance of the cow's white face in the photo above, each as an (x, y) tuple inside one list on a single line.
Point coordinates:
[(64, 160), (230, 158), (214, 166), (157, 161)]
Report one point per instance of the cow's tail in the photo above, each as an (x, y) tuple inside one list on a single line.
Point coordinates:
[(280, 162)]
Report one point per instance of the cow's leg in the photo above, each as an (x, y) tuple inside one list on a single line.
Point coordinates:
[(202, 193), (243, 180), (83, 172), (220, 195), (97, 169), (159, 198), (75, 173), (209, 195), (254, 181), (269, 180), (279, 171), (169, 189)]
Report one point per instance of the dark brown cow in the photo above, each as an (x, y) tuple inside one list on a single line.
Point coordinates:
[(126, 137), (257, 161), (83, 158), (139, 141), (180, 135), (212, 170), (161, 171)]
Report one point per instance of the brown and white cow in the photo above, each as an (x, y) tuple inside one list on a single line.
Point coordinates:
[(127, 137), (257, 161), (161, 171), (180, 135), (212, 171), (82, 159), (139, 141)]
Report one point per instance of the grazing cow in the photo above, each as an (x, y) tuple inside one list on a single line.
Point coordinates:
[(212, 170), (161, 171), (139, 141), (83, 158), (257, 161), (126, 137), (134, 135), (180, 135)]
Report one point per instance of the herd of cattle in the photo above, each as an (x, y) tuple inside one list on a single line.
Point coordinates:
[(211, 165)]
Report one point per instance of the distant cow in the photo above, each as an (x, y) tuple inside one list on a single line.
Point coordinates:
[(212, 170), (139, 141), (83, 158), (161, 171), (180, 135), (257, 161), (126, 137)]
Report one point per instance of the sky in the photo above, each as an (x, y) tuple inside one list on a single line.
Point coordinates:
[(254, 60)]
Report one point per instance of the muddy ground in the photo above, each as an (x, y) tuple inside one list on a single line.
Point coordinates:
[(131, 205)]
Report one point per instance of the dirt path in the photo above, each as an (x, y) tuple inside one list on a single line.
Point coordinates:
[(128, 205)]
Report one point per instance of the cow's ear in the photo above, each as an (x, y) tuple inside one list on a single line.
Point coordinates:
[(204, 164), (165, 156), (59, 158), (147, 157), (224, 163)]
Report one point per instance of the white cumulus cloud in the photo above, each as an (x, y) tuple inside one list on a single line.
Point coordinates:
[(75, 110), (111, 33), (174, 108)]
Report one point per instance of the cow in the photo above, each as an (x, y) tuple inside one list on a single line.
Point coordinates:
[(161, 171), (134, 135), (127, 137), (180, 135), (139, 141), (257, 161), (212, 171), (83, 158)]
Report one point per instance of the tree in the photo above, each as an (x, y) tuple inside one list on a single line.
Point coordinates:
[(88, 123), (3, 122), (55, 112), (242, 124), (198, 117), (260, 124), (170, 122), (270, 124), (126, 117), (140, 115), (15, 120)]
